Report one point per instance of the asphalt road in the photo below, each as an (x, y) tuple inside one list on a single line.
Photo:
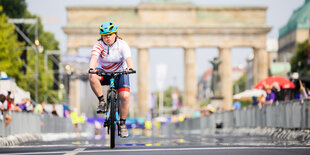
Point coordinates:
[(155, 145)]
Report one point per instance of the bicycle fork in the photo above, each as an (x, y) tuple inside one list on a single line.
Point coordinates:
[(107, 123)]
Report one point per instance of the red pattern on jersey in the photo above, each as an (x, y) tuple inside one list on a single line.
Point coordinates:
[(113, 67), (100, 46), (101, 49), (109, 66), (119, 65)]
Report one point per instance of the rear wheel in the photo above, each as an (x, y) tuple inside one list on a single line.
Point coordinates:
[(112, 118)]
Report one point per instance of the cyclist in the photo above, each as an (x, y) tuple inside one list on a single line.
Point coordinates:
[(111, 53)]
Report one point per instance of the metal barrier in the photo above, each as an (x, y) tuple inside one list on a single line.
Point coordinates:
[(288, 115), (32, 123)]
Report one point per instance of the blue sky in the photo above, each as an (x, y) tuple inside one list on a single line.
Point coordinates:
[(53, 16)]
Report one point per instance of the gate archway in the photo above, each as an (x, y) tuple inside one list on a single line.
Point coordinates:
[(184, 25)]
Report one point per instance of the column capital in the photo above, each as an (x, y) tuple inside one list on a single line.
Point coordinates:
[(259, 48), (142, 48), (189, 47), (220, 48)]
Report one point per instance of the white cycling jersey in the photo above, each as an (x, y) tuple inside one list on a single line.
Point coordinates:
[(111, 58)]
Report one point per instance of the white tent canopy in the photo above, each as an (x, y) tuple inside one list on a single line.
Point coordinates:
[(248, 94), (10, 85)]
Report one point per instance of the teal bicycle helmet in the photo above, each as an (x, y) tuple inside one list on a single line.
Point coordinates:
[(107, 28)]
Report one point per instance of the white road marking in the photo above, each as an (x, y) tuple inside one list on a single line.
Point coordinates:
[(166, 149), (76, 151), (37, 146)]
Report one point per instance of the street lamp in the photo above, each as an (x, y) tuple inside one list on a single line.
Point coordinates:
[(69, 71), (34, 46)]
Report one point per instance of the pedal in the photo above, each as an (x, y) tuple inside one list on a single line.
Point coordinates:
[(118, 129), (105, 124)]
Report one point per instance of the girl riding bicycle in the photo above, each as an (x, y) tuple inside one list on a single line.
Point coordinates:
[(111, 53)]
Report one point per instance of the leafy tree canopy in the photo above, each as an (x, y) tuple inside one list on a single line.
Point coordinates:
[(299, 60), (11, 49), (14, 8)]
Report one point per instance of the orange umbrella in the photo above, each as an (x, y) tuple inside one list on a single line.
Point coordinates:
[(269, 81)]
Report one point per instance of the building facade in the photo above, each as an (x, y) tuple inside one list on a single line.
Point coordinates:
[(295, 31)]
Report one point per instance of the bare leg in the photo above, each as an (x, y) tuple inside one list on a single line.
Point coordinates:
[(95, 84), (8, 120), (125, 98)]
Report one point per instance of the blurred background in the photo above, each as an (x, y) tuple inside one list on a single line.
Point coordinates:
[(45, 50)]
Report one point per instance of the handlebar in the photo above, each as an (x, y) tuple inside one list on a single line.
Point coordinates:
[(101, 72)]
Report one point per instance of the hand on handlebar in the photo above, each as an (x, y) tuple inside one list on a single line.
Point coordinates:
[(92, 70), (129, 70), (100, 72)]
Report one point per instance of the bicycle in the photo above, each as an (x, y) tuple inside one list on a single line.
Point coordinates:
[(113, 104)]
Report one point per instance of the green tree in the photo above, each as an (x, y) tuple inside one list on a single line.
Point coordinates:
[(18, 9), (240, 83), (299, 60), (14, 8), (10, 48), (167, 96)]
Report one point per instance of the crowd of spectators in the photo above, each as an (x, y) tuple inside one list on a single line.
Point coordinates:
[(8, 105), (274, 94)]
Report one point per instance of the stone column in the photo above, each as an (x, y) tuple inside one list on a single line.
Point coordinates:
[(226, 77), (255, 67), (143, 82), (74, 96), (261, 67), (190, 79)]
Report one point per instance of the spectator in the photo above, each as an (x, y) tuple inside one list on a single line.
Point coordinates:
[(29, 105), (276, 90), (236, 105), (13, 106), (196, 113), (7, 95), (271, 97), (75, 120), (39, 109), (66, 111), (3, 109), (254, 101), (22, 105), (210, 109), (54, 112), (203, 111), (262, 101)]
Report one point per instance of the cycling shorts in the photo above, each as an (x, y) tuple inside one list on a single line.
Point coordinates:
[(121, 82)]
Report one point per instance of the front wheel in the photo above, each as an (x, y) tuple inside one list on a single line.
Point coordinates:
[(112, 118)]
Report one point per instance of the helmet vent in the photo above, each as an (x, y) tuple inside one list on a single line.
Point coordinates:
[(111, 27)]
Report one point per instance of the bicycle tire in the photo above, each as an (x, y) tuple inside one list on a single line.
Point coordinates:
[(112, 118), (118, 101)]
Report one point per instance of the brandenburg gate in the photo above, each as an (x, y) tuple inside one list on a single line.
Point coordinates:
[(173, 24)]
